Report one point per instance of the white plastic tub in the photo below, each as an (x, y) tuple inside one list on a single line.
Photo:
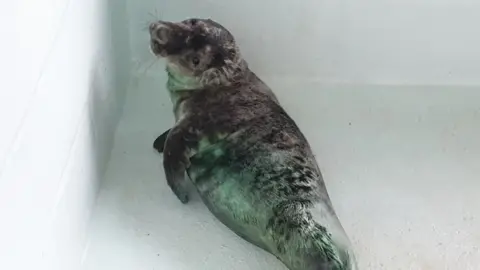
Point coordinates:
[(387, 92)]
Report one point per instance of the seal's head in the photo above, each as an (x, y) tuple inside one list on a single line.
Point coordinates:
[(199, 49)]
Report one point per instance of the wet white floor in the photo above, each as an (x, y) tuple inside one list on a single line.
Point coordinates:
[(402, 166)]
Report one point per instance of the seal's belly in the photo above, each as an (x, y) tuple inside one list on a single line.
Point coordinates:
[(228, 196), (239, 213)]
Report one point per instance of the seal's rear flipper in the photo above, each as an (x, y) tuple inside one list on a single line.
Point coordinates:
[(302, 243)]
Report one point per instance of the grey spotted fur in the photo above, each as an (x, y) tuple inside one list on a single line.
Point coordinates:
[(249, 161)]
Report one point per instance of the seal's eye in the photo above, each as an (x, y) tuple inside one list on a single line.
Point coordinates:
[(193, 22), (195, 61)]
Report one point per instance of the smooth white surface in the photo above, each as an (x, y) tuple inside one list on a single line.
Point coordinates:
[(401, 163), (59, 105), (401, 166)]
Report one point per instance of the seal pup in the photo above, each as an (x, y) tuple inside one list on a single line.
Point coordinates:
[(252, 166)]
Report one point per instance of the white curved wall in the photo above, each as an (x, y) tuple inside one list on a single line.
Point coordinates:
[(379, 87), (414, 42), (60, 99), (67, 64)]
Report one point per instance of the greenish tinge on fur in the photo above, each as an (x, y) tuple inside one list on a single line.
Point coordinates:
[(252, 166), (178, 82), (226, 193), (224, 188)]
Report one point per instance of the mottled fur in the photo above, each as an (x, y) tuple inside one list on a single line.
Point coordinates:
[(251, 164)]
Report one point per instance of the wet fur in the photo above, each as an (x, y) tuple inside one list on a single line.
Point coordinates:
[(251, 164)]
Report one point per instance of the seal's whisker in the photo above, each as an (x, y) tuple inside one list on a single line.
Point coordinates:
[(138, 67), (153, 15), (155, 61), (143, 69), (157, 14), (144, 25)]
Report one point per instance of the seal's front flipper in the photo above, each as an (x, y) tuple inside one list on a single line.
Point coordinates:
[(159, 143), (176, 160), (174, 167), (175, 174)]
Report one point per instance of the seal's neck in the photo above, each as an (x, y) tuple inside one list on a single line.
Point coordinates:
[(179, 86), (177, 82)]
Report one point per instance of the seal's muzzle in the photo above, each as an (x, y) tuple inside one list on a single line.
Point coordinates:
[(167, 38)]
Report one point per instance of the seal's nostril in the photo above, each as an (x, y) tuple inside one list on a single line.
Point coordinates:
[(152, 27)]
